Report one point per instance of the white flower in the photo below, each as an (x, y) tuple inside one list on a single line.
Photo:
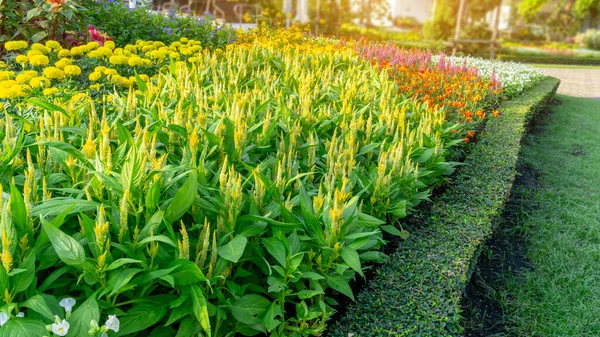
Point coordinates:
[(21, 314), (112, 323), (61, 328), (67, 303), (3, 318)]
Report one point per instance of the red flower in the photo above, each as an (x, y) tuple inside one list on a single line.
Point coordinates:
[(98, 36)]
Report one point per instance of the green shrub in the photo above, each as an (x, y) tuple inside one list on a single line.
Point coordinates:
[(417, 291), (592, 39), (550, 59), (127, 25)]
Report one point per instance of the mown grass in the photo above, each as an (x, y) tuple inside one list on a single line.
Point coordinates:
[(560, 294)]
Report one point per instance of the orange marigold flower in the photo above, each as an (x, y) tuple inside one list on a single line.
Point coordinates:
[(495, 113), (470, 134), (467, 140)]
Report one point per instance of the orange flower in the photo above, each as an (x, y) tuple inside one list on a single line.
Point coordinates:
[(470, 134), (467, 140), (495, 113), (56, 4)]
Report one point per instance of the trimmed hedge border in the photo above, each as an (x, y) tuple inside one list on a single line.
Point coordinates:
[(581, 61), (417, 292)]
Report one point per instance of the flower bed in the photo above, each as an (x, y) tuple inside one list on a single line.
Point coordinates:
[(179, 190)]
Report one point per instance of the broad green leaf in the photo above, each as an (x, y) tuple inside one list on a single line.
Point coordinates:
[(39, 36), (277, 249), (186, 328), (249, 309), (131, 172), (82, 316), (68, 249), (56, 206), (350, 256), (152, 224), (23, 327), (200, 309), (18, 211), (38, 304), (122, 279), (186, 272), (183, 198), (233, 250), (140, 317), (23, 280), (340, 284)]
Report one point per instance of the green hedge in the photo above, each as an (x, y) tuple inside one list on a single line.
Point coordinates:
[(550, 59), (418, 291)]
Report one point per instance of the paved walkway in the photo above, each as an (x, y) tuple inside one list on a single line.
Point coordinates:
[(576, 82)]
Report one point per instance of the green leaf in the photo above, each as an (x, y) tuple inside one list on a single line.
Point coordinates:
[(186, 328), (131, 172), (159, 238), (141, 317), (18, 211), (38, 304), (33, 13), (82, 316), (399, 209), (56, 206), (122, 280), (117, 263), (350, 256), (186, 272), (152, 224), (23, 280), (183, 198), (340, 284), (68, 249), (39, 36), (234, 250), (249, 309), (200, 309), (23, 327), (277, 249)]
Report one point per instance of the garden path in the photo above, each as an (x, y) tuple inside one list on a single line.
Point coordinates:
[(576, 82)]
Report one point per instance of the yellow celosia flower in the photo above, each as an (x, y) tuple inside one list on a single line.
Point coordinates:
[(39, 60), (15, 45)]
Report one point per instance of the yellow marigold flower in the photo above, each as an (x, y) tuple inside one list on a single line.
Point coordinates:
[(118, 51), (64, 53), (183, 39), (131, 48), (53, 45), (54, 73), (72, 70), (23, 90), (100, 69), (135, 61), (21, 59), (39, 82), (33, 53), (144, 77), (94, 76), (174, 55), (92, 45), (25, 77), (95, 87), (39, 60), (15, 45), (117, 60), (40, 47), (50, 91), (158, 54), (62, 63), (193, 59), (77, 51), (109, 44), (6, 75)]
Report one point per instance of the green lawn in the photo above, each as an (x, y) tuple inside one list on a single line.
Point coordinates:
[(567, 66), (560, 294)]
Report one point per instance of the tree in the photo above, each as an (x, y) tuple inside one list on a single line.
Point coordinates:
[(564, 18), (441, 26)]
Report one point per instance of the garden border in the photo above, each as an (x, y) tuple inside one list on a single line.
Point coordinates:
[(417, 292), (564, 60)]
